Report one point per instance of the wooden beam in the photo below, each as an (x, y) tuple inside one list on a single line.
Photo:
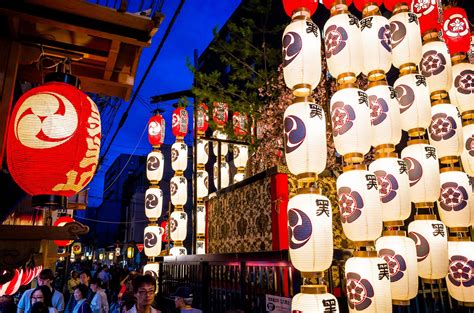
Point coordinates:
[(112, 59)]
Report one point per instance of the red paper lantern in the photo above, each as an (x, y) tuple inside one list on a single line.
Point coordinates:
[(53, 140), (456, 30), (390, 4), (359, 4), (15, 283), (328, 3), (294, 5), (240, 122), (166, 235), (59, 223), (156, 130), (180, 122), (427, 13), (202, 119), (220, 114)]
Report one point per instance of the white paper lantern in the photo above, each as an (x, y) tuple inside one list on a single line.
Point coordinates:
[(152, 269), (467, 155), (343, 45), (313, 299), (152, 240), (224, 146), (153, 202), (445, 130), (178, 251), (202, 151), (202, 183), (224, 175), (393, 183), (414, 99), (350, 118), (179, 156), (399, 252), (375, 34), (301, 47), (305, 138), (155, 164), (423, 171), (431, 241), (384, 114), (368, 285), (455, 197), (178, 225), (406, 38), (359, 205), (241, 155), (201, 219), (460, 279), (200, 247), (462, 90), (179, 190), (310, 232), (238, 177), (435, 65)]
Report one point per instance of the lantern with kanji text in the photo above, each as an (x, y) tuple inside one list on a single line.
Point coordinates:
[(180, 122), (156, 130)]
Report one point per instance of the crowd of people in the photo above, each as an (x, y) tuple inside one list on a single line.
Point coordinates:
[(101, 290)]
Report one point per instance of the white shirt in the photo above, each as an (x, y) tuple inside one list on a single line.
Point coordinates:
[(99, 303)]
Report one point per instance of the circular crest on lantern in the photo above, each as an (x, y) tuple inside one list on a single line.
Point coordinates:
[(152, 240), (436, 66), (375, 32), (179, 190), (445, 133), (180, 122), (427, 12), (153, 202), (467, 155), (460, 279), (462, 90), (179, 156), (178, 225), (453, 203), (456, 31), (405, 39), (220, 113), (154, 166), (156, 130)]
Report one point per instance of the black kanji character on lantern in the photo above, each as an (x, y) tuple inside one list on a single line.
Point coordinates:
[(412, 18), (363, 98), (438, 229), (329, 305), (353, 20), (366, 22), (403, 167), (312, 28), (371, 181), (323, 207), (383, 271), (420, 80), (182, 216), (430, 152), (200, 208), (200, 174), (316, 110), (182, 180), (393, 92)]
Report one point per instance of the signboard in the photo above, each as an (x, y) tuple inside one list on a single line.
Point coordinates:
[(275, 304)]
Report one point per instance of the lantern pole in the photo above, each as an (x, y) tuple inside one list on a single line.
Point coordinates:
[(195, 138)]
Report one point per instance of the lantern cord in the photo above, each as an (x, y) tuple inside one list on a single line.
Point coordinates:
[(107, 222)]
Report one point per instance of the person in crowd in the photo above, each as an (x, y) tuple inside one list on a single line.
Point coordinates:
[(183, 300), (127, 302), (43, 294), (45, 278), (144, 287), (7, 304), (126, 284), (39, 307), (99, 303), (80, 295), (73, 281), (84, 278), (104, 276)]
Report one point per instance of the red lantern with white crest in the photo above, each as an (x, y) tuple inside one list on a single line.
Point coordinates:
[(180, 122), (427, 12), (156, 130), (296, 5), (240, 122), (220, 113), (202, 119), (456, 30)]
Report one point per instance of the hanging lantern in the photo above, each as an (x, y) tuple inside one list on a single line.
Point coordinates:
[(53, 141), (351, 127), (367, 5), (431, 241), (178, 250), (166, 235), (384, 115), (154, 166), (180, 122), (200, 247), (393, 183), (241, 155), (343, 45), (202, 153), (220, 113), (405, 36), (359, 204), (291, 6), (427, 13), (152, 240), (202, 183), (467, 155), (238, 177), (454, 199), (462, 90), (414, 99), (423, 171), (14, 284), (392, 5), (178, 225), (225, 175), (301, 49), (368, 283), (156, 130), (153, 202), (460, 279), (152, 269), (179, 156), (202, 119), (336, 6), (305, 137), (456, 32), (224, 146), (61, 221), (399, 252), (310, 231), (314, 298), (201, 219), (240, 121), (179, 190)]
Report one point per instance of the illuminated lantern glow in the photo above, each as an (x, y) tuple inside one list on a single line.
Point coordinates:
[(305, 137), (201, 219), (467, 156), (427, 13), (314, 299), (179, 190), (202, 119), (414, 100), (368, 283), (179, 156), (202, 153), (225, 175), (436, 66), (406, 38), (384, 114), (202, 183), (152, 240), (178, 250), (351, 128), (393, 186), (291, 6), (462, 90), (431, 241), (153, 202), (337, 5), (399, 252), (220, 113), (156, 130), (456, 32), (15, 283), (301, 50), (224, 146), (238, 177), (180, 122), (455, 197), (445, 131), (200, 247), (241, 155), (367, 5), (155, 164), (178, 225), (423, 171), (310, 231), (61, 221), (152, 269), (359, 204), (391, 4), (240, 122), (53, 140), (460, 278)]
